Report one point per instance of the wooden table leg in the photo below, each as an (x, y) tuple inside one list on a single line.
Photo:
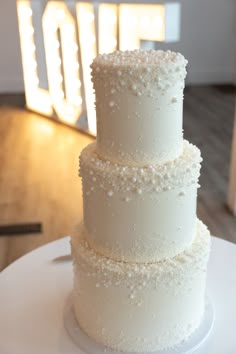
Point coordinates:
[(4, 247), (232, 177)]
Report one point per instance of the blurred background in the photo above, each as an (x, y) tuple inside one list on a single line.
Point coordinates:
[(47, 113)]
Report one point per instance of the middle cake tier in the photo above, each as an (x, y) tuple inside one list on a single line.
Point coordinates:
[(140, 214)]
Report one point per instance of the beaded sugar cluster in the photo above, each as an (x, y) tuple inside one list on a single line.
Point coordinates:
[(138, 70), (94, 264), (110, 176)]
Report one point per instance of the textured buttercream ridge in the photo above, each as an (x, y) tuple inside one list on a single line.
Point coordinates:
[(183, 171), (140, 58), (138, 69), (195, 256)]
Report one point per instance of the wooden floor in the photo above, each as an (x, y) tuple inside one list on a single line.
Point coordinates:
[(208, 123), (38, 179), (39, 161)]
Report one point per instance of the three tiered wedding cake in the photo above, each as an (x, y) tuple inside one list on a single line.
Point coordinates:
[(140, 257)]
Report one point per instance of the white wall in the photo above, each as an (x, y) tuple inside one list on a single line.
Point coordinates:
[(208, 40), (10, 60)]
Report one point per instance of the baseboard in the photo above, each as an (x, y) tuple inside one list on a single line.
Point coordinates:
[(211, 76)]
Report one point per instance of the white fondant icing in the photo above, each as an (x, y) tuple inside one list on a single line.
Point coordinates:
[(140, 257), (139, 99), (127, 210), (140, 307)]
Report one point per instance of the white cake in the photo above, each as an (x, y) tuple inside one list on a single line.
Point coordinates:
[(140, 256), (134, 91)]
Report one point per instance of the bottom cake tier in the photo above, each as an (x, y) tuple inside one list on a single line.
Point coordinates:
[(138, 307)]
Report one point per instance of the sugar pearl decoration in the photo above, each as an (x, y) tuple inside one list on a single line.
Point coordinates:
[(110, 193), (110, 177), (165, 69)]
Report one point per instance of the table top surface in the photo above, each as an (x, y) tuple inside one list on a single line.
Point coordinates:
[(34, 290)]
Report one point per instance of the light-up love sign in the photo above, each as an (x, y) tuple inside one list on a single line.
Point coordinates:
[(60, 40)]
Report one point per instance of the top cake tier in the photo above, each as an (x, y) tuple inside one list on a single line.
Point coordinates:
[(139, 105)]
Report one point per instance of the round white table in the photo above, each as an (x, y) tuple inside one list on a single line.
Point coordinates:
[(34, 290)]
